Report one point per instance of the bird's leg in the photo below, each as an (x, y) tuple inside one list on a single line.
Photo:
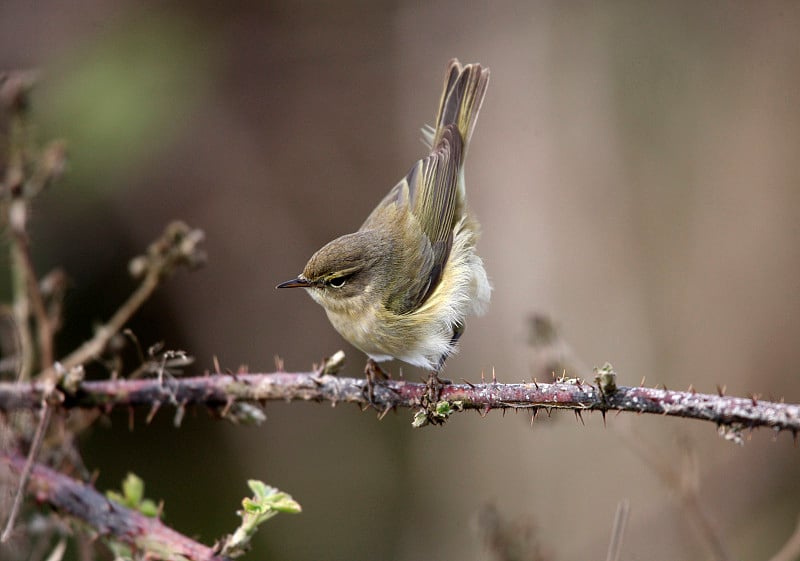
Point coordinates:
[(374, 374), (373, 370), (458, 331), (435, 383), (433, 388)]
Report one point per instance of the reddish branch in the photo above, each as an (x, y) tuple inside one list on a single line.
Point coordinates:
[(106, 517), (222, 391)]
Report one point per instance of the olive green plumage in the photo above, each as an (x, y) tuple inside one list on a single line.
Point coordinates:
[(403, 284)]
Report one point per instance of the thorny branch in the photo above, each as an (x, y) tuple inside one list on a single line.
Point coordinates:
[(222, 391), (107, 518)]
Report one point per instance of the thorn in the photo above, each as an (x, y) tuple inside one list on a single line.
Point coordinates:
[(535, 411), (483, 377), (665, 387), (533, 416), (215, 360), (641, 384), (754, 399), (484, 410), (494, 376), (153, 410), (721, 390), (383, 413), (278, 363), (180, 411), (603, 413), (227, 408), (549, 412), (579, 416), (691, 389), (536, 384), (467, 382)]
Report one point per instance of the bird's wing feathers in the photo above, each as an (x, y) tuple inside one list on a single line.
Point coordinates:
[(434, 194), (430, 191), (433, 187), (431, 195)]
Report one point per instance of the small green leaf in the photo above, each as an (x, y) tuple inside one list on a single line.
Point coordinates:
[(148, 508), (132, 496), (266, 502), (420, 419), (133, 489)]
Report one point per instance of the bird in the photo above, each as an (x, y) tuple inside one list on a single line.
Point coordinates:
[(402, 285)]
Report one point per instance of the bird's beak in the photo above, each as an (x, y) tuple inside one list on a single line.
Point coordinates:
[(300, 281)]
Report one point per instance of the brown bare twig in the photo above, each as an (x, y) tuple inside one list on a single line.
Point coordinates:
[(25, 472), (177, 246), (18, 187)]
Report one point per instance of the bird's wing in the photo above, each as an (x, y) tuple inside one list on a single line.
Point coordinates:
[(434, 195), (424, 204)]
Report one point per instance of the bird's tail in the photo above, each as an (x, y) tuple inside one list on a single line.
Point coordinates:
[(462, 97)]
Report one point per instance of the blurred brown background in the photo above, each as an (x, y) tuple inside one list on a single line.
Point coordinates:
[(636, 172)]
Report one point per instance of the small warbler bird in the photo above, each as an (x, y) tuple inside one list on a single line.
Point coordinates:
[(402, 285)]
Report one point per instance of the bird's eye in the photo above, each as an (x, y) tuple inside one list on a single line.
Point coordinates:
[(338, 282)]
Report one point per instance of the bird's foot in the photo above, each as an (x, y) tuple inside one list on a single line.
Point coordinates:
[(433, 388), (434, 410), (375, 376), (373, 370)]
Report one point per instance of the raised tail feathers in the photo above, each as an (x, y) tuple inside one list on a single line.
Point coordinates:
[(462, 97)]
